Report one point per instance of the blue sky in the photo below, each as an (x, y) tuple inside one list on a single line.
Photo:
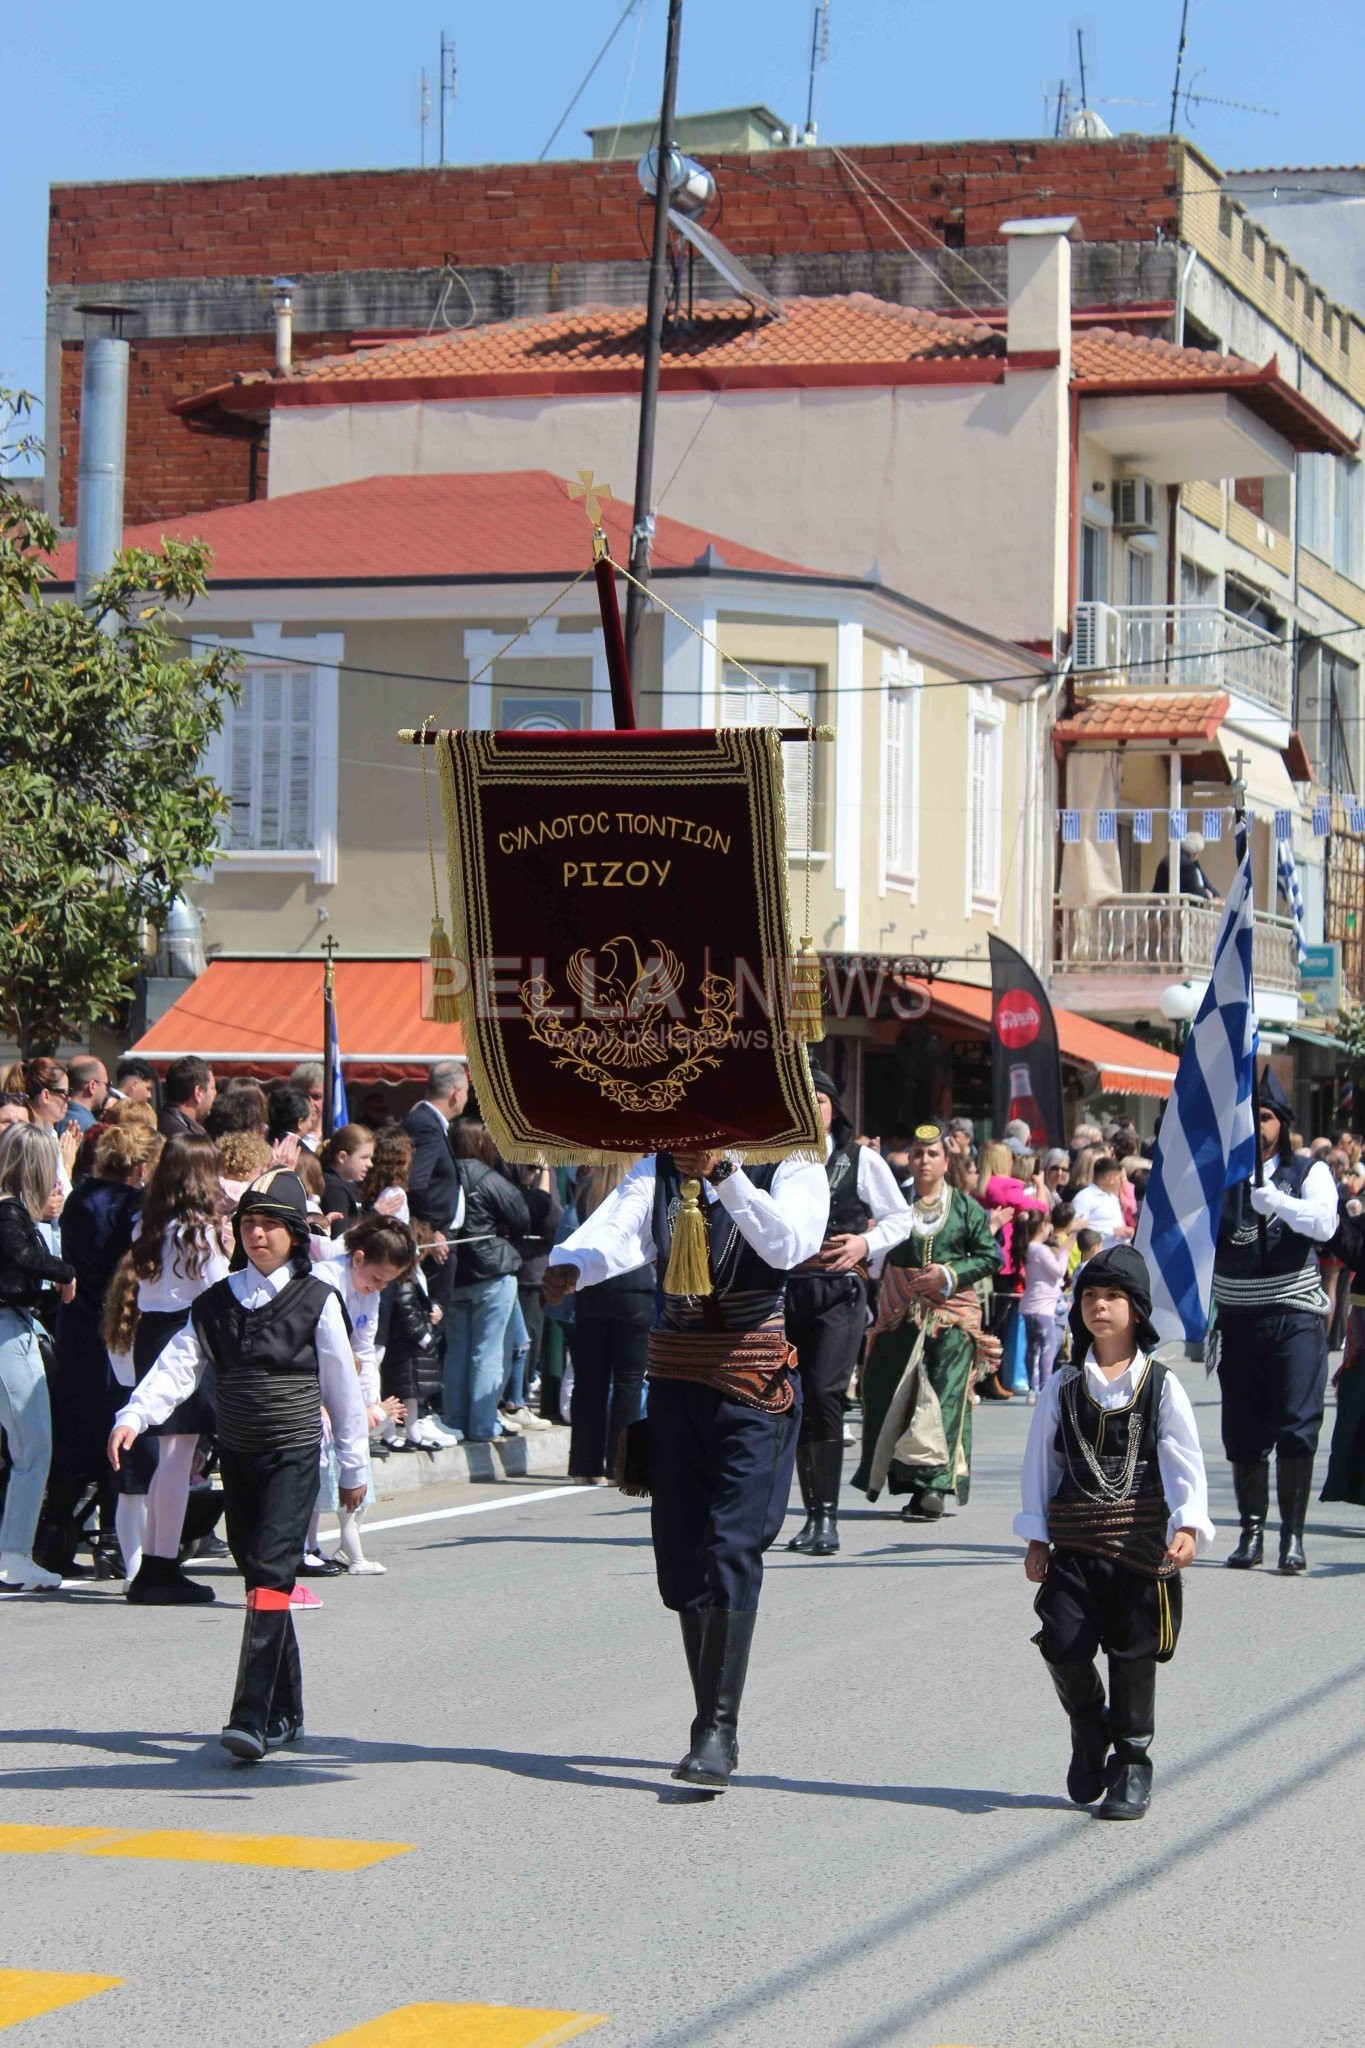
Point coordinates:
[(94, 91)]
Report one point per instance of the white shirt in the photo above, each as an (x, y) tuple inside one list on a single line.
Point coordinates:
[(363, 1309), (175, 1287), (1313, 1213), (180, 1368), (1096, 1210), (1178, 1454), (785, 1225), (878, 1192)]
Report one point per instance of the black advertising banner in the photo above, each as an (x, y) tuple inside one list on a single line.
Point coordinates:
[(1026, 1066)]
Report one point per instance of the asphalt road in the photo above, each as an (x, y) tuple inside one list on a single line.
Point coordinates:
[(896, 1863)]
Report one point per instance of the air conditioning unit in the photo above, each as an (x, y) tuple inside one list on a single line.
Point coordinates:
[(1134, 504), (1095, 642)]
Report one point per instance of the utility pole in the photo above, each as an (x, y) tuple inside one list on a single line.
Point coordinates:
[(642, 533), (1179, 62)]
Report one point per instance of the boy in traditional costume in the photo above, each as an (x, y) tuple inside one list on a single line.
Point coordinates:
[(827, 1310), (724, 1406), (917, 1381), (1115, 1505), (278, 1342)]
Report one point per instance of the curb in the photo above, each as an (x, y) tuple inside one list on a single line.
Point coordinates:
[(542, 1453)]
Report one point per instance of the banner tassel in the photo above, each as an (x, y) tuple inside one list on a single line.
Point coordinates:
[(807, 1020), (443, 1009), (689, 1266)]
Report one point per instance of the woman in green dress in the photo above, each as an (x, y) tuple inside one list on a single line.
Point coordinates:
[(950, 1248)]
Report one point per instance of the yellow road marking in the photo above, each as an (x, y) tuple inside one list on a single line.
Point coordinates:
[(466, 2026), (191, 1845), (28, 1994)]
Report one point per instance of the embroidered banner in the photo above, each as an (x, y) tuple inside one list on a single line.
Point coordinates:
[(622, 942)]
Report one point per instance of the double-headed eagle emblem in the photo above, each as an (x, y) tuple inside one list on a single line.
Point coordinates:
[(631, 1016)]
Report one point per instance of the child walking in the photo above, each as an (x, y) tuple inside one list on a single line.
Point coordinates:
[(1049, 1245), (1115, 1505), (277, 1340)]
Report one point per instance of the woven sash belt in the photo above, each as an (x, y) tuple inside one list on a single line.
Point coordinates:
[(750, 1366), (1130, 1532)]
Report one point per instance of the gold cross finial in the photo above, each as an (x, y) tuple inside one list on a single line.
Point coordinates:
[(591, 492)]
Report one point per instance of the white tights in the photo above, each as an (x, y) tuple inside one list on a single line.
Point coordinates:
[(153, 1521), (356, 1560)]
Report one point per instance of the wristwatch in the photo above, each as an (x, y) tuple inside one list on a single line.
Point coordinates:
[(722, 1170)]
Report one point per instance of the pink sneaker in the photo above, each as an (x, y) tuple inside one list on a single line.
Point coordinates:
[(304, 1596)]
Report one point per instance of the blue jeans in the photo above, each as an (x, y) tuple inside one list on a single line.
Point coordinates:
[(476, 1323), (516, 1344), (26, 1418)]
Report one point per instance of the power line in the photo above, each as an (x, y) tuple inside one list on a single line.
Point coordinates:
[(622, 18)]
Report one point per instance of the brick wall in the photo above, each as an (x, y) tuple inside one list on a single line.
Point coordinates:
[(783, 203), (172, 471)]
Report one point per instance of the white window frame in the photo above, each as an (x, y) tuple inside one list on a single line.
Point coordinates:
[(985, 721), (541, 642), (793, 680), (319, 656), (902, 683)]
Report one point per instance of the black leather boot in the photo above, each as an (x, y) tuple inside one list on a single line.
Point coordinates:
[(1251, 1484), (61, 1526), (161, 1583), (805, 1473), (286, 1708), (1293, 1487), (1132, 1723), (691, 1619), (829, 1472), (1081, 1691), (263, 1640), (726, 1637)]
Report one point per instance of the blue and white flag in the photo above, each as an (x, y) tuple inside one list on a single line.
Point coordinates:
[(336, 1115), (1293, 895), (1207, 1141)]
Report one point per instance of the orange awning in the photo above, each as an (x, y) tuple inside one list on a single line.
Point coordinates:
[(264, 1014), (1127, 1065)]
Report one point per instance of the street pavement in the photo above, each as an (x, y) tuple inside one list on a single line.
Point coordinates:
[(481, 1815)]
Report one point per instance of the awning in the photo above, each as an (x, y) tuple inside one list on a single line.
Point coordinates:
[(1267, 780), (1127, 1065), (266, 1014)]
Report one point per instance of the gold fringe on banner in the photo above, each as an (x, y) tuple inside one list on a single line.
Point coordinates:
[(689, 1264)]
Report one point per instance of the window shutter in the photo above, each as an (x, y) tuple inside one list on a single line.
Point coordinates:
[(270, 759), (299, 765), (744, 703), (895, 823), (241, 829)]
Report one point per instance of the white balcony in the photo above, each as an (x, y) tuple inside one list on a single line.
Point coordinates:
[(1183, 647), (1147, 940)]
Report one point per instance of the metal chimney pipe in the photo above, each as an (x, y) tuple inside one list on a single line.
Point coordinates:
[(104, 433), (282, 298)]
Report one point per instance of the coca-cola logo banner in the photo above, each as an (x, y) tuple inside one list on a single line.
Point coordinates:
[(1026, 1066), (1017, 1018)]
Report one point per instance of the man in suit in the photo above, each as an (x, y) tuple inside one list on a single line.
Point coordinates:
[(435, 1190)]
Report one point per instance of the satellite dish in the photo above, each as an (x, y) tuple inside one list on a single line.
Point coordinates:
[(737, 275)]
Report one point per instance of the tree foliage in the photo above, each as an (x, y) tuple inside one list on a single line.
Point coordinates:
[(104, 814)]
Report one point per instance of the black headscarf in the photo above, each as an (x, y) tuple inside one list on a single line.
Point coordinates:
[(1125, 1271), (840, 1130), (280, 1195)]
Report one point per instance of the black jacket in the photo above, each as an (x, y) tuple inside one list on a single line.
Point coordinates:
[(26, 1264), (492, 1205), (434, 1179), (411, 1334), (341, 1198)]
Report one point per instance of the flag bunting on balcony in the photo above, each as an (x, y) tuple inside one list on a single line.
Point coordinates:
[(1071, 823), (622, 942), (1284, 826), (1293, 896), (1207, 1140)]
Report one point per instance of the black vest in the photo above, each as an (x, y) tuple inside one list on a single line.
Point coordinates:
[(265, 1363), (749, 1292), (1108, 1433), (849, 1214), (1291, 1277)]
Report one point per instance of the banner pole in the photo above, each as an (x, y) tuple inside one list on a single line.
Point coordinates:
[(1242, 836)]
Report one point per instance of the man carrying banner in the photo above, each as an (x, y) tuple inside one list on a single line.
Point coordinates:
[(827, 1310), (1271, 1336), (724, 1407), (917, 1383)]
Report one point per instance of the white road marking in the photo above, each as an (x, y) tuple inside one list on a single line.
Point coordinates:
[(478, 1507)]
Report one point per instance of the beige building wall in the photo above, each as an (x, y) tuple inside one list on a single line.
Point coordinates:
[(913, 479)]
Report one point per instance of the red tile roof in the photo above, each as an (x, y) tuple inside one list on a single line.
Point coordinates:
[(1128, 715), (848, 340), (394, 529)]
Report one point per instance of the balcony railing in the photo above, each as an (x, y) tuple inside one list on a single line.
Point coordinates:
[(1184, 647), (1174, 938)]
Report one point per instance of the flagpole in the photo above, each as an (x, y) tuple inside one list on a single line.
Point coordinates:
[(329, 1039), (1240, 827)]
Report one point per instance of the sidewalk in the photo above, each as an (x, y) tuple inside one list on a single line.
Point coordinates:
[(542, 1453)]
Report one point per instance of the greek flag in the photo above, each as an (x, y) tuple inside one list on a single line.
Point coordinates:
[(1208, 1139), (1293, 894)]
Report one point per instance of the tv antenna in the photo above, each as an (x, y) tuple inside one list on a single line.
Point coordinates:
[(1195, 99), (1179, 61), (445, 90), (819, 57), (423, 116)]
